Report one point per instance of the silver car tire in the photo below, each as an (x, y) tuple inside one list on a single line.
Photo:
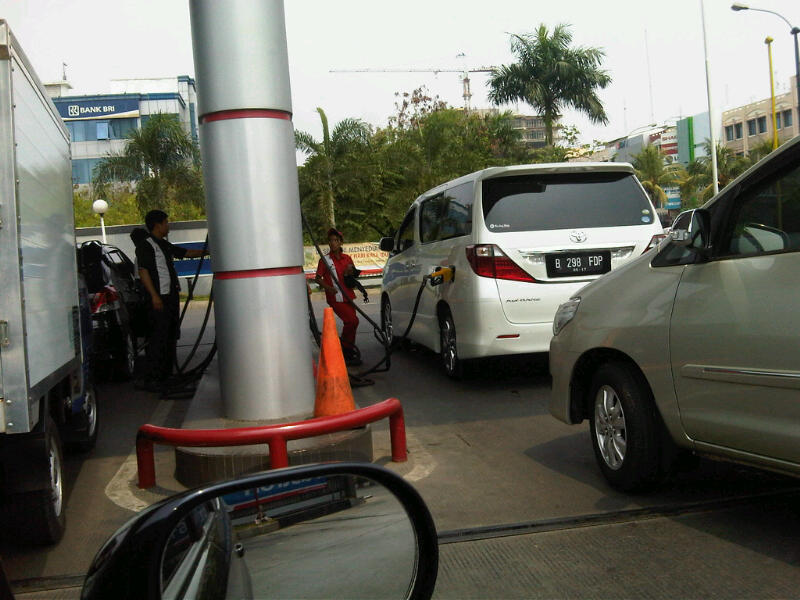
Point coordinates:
[(625, 428)]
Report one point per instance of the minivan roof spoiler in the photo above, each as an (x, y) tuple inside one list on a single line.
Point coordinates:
[(542, 168)]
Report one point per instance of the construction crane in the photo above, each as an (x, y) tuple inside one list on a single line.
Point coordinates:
[(467, 94)]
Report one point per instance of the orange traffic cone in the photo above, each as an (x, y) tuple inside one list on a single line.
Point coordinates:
[(334, 395)]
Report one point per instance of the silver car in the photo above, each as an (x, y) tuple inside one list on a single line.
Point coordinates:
[(695, 346)]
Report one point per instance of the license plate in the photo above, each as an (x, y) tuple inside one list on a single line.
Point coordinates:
[(575, 264)]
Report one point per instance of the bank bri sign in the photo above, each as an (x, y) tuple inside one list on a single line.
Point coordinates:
[(106, 108)]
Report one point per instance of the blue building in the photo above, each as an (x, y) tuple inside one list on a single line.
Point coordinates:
[(98, 124)]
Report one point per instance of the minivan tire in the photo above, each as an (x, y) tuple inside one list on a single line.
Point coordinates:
[(448, 349), (624, 428), (386, 320)]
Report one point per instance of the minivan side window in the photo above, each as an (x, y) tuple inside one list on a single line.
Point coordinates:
[(447, 215), (405, 236), (431, 216), (457, 220), (765, 218)]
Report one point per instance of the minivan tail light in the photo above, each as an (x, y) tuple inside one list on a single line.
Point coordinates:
[(487, 260), (654, 241)]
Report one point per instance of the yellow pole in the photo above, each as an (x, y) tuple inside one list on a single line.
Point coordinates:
[(768, 42)]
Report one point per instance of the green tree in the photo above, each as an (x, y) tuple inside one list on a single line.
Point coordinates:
[(652, 171), (729, 167), (331, 155), (759, 151), (691, 180), (164, 163), (550, 75)]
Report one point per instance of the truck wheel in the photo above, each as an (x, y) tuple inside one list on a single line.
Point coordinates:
[(37, 518), (624, 428), (88, 439)]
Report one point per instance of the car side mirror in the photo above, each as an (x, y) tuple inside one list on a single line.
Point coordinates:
[(387, 244), (338, 530), (692, 230)]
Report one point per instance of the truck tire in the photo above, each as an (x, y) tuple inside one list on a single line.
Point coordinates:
[(37, 518)]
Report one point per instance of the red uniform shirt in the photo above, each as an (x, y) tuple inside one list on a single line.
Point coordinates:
[(340, 262)]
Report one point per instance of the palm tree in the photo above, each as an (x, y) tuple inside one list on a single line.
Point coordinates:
[(161, 158), (550, 76), (729, 167), (691, 179), (654, 174), (334, 147)]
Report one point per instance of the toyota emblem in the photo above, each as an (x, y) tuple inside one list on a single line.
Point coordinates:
[(577, 236)]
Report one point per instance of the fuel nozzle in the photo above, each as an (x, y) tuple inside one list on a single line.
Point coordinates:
[(442, 275)]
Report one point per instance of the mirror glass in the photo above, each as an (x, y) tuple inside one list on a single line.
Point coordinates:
[(339, 536)]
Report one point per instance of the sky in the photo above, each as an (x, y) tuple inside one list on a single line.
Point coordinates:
[(653, 51)]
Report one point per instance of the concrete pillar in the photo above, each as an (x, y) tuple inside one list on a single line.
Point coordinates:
[(252, 199)]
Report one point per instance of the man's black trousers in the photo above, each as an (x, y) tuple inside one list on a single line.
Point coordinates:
[(163, 340)]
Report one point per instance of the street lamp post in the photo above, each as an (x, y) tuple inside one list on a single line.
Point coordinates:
[(100, 207), (768, 42), (737, 6), (714, 171)]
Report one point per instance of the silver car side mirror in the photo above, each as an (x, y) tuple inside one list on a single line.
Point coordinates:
[(692, 230)]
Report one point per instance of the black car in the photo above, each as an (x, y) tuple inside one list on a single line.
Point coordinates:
[(118, 307)]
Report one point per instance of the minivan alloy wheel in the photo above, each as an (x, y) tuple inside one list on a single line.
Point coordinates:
[(386, 321), (609, 421), (449, 351)]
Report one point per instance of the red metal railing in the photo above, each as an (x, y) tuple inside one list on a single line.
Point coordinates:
[(275, 436)]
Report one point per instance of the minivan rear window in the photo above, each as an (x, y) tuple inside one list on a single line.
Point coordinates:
[(564, 201)]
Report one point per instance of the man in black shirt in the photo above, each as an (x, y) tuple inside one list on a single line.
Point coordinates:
[(154, 257)]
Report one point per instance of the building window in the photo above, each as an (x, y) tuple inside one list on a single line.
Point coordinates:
[(777, 120), (728, 133), (762, 124), (102, 130), (738, 130), (751, 127), (787, 118)]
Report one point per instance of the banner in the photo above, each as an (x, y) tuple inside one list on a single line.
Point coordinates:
[(367, 257)]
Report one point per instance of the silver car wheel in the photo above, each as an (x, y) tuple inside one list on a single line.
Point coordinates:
[(609, 424)]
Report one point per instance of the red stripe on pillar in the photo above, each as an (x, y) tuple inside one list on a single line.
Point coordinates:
[(259, 273), (246, 113)]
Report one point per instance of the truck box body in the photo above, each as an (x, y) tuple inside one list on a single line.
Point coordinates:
[(45, 387), (39, 336)]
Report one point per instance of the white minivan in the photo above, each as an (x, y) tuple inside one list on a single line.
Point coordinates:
[(518, 241)]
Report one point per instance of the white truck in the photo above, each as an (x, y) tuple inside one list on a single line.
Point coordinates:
[(46, 394)]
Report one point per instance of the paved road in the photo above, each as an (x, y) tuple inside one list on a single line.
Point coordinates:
[(520, 505)]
